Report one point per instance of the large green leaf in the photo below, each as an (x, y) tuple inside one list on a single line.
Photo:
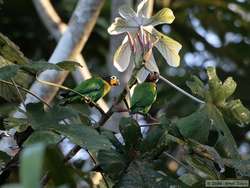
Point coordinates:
[(112, 162), (131, 133), (10, 51), (46, 137), (225, 145), (140, 174), (84, 136), (52, 120), (202, 167), (40, 119), (32, 161), (8, 72), (151, 140), (37, 159), (195, 126), (69, 65)]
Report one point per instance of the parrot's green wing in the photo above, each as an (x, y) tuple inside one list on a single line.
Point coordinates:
[(143, 97), (94, 88)]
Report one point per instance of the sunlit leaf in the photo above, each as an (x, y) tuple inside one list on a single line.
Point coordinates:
[(10, 51)]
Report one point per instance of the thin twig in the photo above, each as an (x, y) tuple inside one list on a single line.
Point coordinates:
[(181, 90), (27, 91), (18, 92)]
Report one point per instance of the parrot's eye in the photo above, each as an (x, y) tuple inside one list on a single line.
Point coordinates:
[(114, 81)]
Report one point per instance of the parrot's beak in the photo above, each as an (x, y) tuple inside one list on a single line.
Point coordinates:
[(115, 82)]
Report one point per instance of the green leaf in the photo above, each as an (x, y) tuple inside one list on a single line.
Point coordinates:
[(38, 158), (69, 65), (196, 86), (242, 167), (10, 51), (39, 119), (32, 161), (112, 138), (203, 167), (39, 67), (150, 142), (112, 162), (195, 126), (219, 94), (8, 72), (12, 185), (46, 137), (225, 145), (189, 179), (140, 174), (236, 112), (84, 136), (60, 174), (131, 133)]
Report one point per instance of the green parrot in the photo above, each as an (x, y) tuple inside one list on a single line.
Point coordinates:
[(144, 95), (93, 89)]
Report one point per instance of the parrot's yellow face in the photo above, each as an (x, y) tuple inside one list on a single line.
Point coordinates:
[(114, 81)]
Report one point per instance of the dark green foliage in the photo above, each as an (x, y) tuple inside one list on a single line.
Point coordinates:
[(38, 157), (131, 134), (140, 174)]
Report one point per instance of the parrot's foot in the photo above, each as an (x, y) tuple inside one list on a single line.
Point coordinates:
[(87, 100)]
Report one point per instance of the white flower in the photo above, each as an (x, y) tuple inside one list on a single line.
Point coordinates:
[(142, 36)]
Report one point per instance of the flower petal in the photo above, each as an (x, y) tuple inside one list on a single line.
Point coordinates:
[(127, 12), (142, 75), (164, 16), (168, 47), (120, 26), (142, 8), (151, 65), (122, 56)]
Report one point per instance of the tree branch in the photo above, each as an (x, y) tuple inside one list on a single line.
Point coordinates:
[(56, 28), (69, 46)]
